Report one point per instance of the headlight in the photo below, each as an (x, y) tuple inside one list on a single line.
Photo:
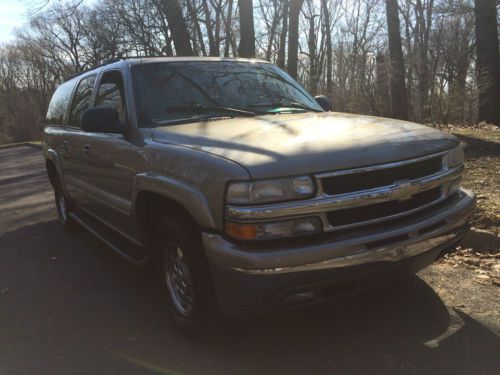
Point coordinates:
[(273, 230), (263, 191), (456, 156)]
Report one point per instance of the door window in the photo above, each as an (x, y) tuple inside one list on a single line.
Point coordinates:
[(81, 101), (110, 93)]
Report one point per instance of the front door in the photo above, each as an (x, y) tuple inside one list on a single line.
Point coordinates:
[(108, 177)]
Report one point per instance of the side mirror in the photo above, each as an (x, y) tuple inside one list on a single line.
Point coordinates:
[(101, 120), (324, 102)]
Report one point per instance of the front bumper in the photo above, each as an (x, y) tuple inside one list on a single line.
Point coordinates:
[(260, 278)]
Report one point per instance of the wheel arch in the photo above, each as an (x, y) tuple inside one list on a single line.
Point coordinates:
[(51, 171), (54, 170), (155, 196)]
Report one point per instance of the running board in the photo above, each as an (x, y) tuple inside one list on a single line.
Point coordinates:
[(112, 240)]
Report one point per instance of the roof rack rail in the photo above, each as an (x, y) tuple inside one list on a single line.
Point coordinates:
[(106, 62), (142, 57), (153, 56)]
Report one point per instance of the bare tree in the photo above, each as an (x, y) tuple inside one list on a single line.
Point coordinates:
[(293, 37), (283, 35), (328, 32), (229, 42), (247, 37), (423, 24), (399, 108), (446, 59), (271, 14), (172, 11), (488, 63), (312, 47)]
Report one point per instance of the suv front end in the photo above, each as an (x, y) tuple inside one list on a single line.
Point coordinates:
[(306, 239)]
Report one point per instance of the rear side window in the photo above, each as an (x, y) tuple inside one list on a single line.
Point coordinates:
[(59, 103), (81, 101)]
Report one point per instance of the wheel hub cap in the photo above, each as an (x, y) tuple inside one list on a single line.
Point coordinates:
[(178, 279), (62, 207)]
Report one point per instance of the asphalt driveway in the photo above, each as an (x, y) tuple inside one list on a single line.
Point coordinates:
[(68, 305)]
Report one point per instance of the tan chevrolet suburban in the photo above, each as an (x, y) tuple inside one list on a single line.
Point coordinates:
[(243, 191)]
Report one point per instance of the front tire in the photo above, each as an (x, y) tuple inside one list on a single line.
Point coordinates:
[(63, 208), (183, 274)]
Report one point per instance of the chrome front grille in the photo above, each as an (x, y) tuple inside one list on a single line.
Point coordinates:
[(364, 179), (405, 185), (363, 214), (359, 197)]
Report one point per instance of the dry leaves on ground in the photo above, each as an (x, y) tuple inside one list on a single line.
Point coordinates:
[(486, 264), (481, 252)]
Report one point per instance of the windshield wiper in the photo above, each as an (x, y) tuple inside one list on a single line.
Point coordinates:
[(201, 108), (285, 105)]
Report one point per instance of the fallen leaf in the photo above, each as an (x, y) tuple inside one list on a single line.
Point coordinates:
[(482, 276)]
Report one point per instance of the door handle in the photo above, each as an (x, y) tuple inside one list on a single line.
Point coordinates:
[(86, 149)]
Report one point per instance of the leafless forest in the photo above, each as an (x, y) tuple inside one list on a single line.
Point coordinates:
[(431, 61)]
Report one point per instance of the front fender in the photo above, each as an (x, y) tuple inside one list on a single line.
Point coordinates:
[(180, 192)]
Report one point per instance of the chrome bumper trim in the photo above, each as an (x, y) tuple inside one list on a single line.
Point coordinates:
[(324, 204), (346, 249), (385, 254)]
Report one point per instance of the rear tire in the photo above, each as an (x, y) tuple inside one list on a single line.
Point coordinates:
[(183, 274), (63, 208)]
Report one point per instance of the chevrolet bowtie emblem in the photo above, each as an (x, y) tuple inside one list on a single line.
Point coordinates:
[(404, 191)]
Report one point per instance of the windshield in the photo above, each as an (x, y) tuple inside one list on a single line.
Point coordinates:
[(173, 92)]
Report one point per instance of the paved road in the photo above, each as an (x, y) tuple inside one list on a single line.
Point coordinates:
[(68, 305)]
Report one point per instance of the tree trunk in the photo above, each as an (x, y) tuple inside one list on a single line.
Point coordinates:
[(227, 29), (457, 95), (180, 36), (422, 33), (284, 31), (326, 15), (313, 67), (488, 64), (218, 20), (210, 34), (247, 37), (399, 108), (382, 89), (272, 32), (293, 37), (197, 27)]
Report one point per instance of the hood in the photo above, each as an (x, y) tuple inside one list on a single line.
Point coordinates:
[(293, 144)]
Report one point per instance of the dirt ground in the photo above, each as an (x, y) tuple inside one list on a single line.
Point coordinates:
[(482, 161), (468, 277)]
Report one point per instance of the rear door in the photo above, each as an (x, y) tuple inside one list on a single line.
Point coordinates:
[(62, 131), (73, 146)]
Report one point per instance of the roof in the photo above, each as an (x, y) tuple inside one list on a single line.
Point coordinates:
[(139, 60)]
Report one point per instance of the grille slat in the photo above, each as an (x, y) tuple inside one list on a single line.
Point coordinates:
[(349, 183), (380, 210)]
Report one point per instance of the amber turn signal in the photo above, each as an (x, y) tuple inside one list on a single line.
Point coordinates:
[(274, 229), (241, 231)]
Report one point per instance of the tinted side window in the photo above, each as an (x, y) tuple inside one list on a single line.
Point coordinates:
[(110, 93), (81, 101), (59, 103)]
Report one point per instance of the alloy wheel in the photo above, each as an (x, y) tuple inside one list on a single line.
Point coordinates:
[(178, 278)]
